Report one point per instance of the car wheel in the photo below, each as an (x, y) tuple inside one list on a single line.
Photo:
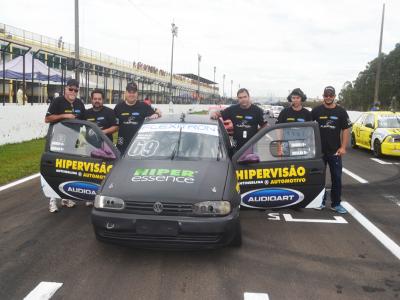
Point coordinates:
[(353, 141), (377, 148), (237, 240)]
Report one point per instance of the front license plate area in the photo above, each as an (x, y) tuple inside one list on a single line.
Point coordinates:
[(150, 227)]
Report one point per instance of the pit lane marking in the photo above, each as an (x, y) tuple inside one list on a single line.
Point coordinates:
[(355, 176), (375, 231), (19, 181), (392, 198), (338, 220), (382, 162), (255, 296), (43, 291)]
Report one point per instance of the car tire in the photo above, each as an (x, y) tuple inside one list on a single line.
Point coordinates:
[(237, 240), (353, 141), (377, 148)]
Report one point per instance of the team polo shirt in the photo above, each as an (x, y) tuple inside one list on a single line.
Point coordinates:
[(104, 118), (60, 106), (130, 118), (245, 122), (331, 122), (288, 115)]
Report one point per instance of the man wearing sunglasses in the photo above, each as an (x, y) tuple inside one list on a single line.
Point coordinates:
[(64, 107), (334, 124)]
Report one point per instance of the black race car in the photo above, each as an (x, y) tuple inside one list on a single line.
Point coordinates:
[(178, 183)]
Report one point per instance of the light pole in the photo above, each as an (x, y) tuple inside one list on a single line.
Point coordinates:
[(215, 69), (198, 77), (378, 70), (231, 88), (223, 86), (174, 30), (76, 39)]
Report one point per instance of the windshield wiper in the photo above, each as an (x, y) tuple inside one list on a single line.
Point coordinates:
[(176, 149)]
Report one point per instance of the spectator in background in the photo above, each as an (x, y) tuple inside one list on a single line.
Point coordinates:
[(147, 100), (375, 106), (20, 96)]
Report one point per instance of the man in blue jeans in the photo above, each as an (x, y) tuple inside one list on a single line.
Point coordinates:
[(334, 124)]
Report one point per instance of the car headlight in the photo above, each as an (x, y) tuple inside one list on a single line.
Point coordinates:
[(392, 139), (212, 208), (106, 202)]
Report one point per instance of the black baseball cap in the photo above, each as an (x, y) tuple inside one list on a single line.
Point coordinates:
[(329, 91), (73, 82), (131, 87)]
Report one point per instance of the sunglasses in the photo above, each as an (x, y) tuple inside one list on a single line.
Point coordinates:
[(73, 90)]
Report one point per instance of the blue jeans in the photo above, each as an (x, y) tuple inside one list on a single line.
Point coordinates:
[(335, 167)]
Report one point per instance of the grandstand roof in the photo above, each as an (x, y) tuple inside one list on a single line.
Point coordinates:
[(194, 77)]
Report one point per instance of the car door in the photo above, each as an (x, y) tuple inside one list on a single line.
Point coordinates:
[(366, 130), (76, 159), (356, 129), (282, 166)]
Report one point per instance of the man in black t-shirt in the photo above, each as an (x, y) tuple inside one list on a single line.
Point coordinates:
[(131, 114), (246, 117), (296, 112), (334, 124), (103, 116), (64, 107)]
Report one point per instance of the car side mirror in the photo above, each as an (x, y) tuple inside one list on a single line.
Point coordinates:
[(369, 125)]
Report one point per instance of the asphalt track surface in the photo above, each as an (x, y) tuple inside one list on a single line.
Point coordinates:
[(286, 260)]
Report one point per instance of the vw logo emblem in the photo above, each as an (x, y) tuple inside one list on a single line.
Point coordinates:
[(158, 207)]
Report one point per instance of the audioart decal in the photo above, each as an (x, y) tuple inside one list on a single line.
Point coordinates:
[(79, 189), (272, 176), (164, 175), (271, 197)]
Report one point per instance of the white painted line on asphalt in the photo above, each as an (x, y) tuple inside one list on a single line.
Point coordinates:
[(22, 180), (392, 198), (255, 296), (355, 176), (379, 161), (43, 291), (375, 231), (338, 220)]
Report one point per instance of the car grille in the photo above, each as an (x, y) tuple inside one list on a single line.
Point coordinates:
[(169, 209), (180, 238)]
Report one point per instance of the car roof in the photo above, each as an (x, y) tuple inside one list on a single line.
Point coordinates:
[(176, 118), (382, 112)]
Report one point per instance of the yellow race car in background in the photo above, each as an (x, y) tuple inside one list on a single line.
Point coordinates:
[(378, 131)]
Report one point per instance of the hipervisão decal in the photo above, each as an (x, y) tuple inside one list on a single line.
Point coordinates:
[(164, 175), (79, 189), (271, 197), (272, 176), (82, 168)]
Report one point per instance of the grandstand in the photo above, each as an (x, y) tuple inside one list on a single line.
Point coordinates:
[(96, 69)]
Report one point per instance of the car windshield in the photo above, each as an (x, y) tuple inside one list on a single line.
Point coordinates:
[(179, 141), (389, 122)]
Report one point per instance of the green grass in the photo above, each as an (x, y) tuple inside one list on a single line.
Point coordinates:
[(20, 160)]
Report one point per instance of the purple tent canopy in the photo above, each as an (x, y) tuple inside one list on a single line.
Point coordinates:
[(14, 70)]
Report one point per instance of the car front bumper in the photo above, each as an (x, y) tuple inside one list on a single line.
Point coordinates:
[(391, 149), (158, 231)]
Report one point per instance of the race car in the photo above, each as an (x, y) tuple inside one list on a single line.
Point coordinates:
[(378, 131), (179, 184)]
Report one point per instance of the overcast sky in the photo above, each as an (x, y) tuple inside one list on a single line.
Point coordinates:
[(268, 46)]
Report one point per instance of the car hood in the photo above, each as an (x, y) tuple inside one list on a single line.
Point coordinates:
[(167, 180)]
